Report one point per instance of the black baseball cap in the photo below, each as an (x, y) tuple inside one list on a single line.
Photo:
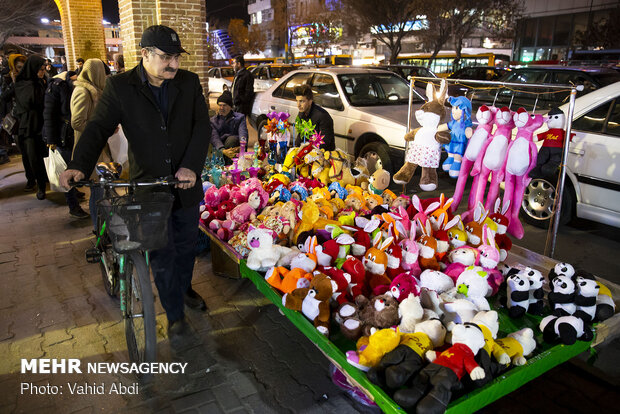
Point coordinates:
[(163, 38)]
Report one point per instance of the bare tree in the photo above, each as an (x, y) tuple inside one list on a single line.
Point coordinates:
[(244, 40), (389, 20), (496, 17), (23, 16), (437, 27)]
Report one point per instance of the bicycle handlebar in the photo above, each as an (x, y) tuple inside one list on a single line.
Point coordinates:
[(125, 183)]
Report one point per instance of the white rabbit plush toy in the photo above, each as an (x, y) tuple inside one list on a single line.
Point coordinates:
[(425, 148)]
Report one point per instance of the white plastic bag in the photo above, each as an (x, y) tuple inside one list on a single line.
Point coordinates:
[(118, 146), (55, 164)]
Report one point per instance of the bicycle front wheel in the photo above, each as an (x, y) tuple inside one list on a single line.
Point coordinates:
[(139, 310)]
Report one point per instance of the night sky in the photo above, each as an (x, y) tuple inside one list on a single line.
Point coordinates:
[(221, 11)]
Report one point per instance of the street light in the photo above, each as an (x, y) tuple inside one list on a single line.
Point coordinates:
[(45, 20)]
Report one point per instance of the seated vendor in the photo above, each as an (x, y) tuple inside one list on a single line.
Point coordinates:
[(228, 127), (308, 110)]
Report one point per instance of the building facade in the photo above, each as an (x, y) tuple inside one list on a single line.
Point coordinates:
[(552, 30)]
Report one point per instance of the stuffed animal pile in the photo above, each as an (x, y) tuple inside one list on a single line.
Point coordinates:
[(412, 285)]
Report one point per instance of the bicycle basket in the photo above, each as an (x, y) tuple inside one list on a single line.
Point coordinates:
[(137, 222)]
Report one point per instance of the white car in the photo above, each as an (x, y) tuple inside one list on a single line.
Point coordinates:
[(592, 189), (220, 79), (267, 75), (368, 106)]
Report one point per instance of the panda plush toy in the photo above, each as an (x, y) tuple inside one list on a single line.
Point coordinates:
[(561, 268), (536, 296), (562, 296), (518, 300), (585, 298), (565, 328), (593, 299)]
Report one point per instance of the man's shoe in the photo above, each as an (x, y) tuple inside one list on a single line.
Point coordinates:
[(177, 328), (29, 186), (194, 301), (41, 194), (79, 213)]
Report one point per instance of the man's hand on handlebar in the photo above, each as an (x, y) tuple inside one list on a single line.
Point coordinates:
[(69, 176), (185, 174)]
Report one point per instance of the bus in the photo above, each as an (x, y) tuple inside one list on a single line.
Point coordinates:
[(442, 64), (330, 60)]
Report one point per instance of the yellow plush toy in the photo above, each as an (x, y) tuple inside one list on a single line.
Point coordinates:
[(370, 349), (338, 170)]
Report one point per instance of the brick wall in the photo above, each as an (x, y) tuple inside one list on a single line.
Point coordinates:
[(82, 29), (187, 17)]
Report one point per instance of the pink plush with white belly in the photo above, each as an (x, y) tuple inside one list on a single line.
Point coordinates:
[(521, 159)]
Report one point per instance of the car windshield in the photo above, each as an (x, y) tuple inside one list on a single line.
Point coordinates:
[(373, 89), (228, 73), (278, 71)]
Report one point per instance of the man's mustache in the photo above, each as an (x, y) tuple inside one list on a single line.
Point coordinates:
[(169, 69)]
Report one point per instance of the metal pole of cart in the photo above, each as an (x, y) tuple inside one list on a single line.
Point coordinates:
[(411, 83), (553, 230)]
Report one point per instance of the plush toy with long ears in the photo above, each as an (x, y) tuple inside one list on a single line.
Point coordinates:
[(491, 160), (460, 130), (485, 116), (500, 217), (521, 159), (424, 150)]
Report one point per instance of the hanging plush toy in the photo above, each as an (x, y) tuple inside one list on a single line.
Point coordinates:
[(491, 160), (485, 117), (460, 130), (425, 148), (521, 159), (550, 154)]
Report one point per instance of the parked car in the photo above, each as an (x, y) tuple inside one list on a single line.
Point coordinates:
[(409, 70), (592, 78), (220, 79), (267, 75), (368, 106), (592, 189), (491, 73)]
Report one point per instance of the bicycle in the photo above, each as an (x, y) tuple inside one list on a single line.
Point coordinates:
[(128, 226)]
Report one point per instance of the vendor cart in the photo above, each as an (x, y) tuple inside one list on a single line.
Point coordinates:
[(546, 357)]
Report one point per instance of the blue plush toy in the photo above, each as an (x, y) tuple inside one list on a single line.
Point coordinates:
[(460, 130)]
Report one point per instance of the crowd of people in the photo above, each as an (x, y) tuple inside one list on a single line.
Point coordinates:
[(43, 110), (163, 113)]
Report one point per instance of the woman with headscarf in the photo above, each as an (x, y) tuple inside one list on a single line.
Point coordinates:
[(87, 89), (29, 98)]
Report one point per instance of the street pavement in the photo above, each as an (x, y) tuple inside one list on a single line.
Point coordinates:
[(246, 357)]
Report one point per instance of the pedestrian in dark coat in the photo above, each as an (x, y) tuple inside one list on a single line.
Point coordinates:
[(29, 96), (57, 131), (242, 87), (164, 116), (228, 128)]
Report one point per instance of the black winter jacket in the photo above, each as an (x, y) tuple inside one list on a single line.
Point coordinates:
[(243, 91), (323, 123), (57, 113), (156, 148)]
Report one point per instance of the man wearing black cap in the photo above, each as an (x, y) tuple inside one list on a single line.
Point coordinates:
[(165, 118), (242, 87), (228, 127)]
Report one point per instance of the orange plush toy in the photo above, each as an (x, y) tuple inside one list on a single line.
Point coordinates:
[(286, 280), (313, 301)]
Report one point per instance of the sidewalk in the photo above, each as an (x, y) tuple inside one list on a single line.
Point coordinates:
[(251, 358), (53, 305)]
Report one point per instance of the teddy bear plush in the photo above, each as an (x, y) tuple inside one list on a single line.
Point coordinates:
[(432, 388), (397, 367), (517, 345), (312, 301), (359, 318), (410, 312), (379, 181)]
